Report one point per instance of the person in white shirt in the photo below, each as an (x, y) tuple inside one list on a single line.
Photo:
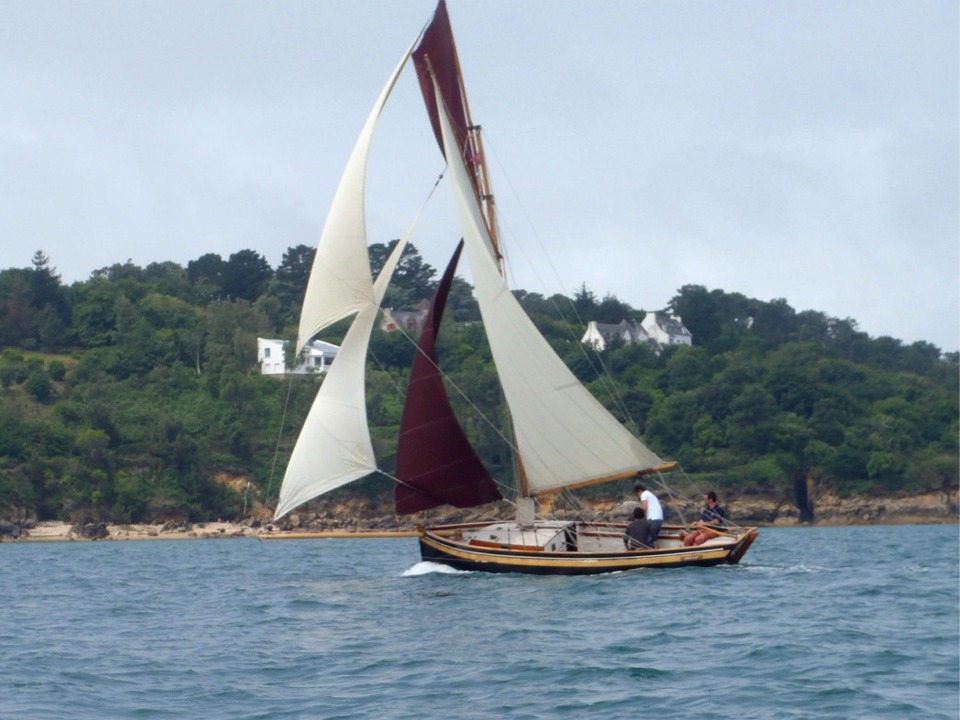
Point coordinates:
[(652, 509)]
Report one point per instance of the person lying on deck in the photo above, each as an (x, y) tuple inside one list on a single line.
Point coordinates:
[(635, 536), (712, 516)]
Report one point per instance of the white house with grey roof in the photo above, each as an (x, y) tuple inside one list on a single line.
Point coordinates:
[(599, 334), (666, 329), (315, 358), (657, 330)]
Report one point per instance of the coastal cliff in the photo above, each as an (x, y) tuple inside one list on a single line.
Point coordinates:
[(931, 507), (827, 508)]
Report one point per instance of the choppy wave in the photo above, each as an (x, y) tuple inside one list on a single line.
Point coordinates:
[(815, 622), (426, 567)]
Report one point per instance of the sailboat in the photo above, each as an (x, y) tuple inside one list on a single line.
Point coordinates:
[(563, 438)]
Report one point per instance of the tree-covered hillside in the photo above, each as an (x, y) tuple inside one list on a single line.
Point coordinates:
[(135, 395)]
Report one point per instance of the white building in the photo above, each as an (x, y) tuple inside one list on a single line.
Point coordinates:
[(315, 358), (599, 334), (666, 329), (657, 330)]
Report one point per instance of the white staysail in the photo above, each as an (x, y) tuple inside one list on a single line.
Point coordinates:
[(564, 435), (340, 283), (334, 445)]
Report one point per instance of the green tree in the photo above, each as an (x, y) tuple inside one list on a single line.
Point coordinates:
[(246, 275), (584, 303), (413, 280), (292, 275), (51, 330), (612, 310), (206, 275), (94, 314), (687, 368), (461, 304), (775, 322), (751, 424), (38, 385), (45, 288), (168, 278)]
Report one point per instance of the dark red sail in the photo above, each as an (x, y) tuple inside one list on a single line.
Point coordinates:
[(438, 53), (436, 465)]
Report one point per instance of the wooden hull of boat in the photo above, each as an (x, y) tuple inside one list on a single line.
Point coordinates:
[(441, 544)]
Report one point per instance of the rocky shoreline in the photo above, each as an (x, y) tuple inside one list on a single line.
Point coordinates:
[(51, 531), (933, 507)]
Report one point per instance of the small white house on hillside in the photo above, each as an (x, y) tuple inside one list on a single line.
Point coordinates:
[(657, 330), (316, 357), (599, 334), (666, 329)]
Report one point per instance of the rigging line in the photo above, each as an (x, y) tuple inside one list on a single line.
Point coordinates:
[(460, 392), (483, 416), (583, 509), (408, 233), (386, 370), (501, 484), (604, 376), (670, 491), (276, 452), (397, 480), (672, 494), (406, 236)]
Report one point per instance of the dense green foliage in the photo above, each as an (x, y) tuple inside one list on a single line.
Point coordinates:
[(135, 395)]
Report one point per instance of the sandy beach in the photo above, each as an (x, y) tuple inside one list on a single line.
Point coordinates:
[(64, 532)]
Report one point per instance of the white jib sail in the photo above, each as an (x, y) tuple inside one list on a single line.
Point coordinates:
[(564, 435), (340, 283), (334, 446)]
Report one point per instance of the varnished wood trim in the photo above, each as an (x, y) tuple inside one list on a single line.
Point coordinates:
[(610, 478), (502, 546), (338, 534)]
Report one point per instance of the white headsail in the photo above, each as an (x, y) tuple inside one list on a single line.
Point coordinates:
[(334, 446), (340, 282), (564, 435)]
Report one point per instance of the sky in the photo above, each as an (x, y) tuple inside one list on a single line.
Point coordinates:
[(805, 150)]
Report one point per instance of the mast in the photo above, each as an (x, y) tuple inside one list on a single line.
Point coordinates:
[(562, 434), (436, 60), (437, 63)]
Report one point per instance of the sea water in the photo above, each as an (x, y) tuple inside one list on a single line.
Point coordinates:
[(847, 622)]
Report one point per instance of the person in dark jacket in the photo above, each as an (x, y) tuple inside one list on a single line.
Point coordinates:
[(712, 516), (635, 537)]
